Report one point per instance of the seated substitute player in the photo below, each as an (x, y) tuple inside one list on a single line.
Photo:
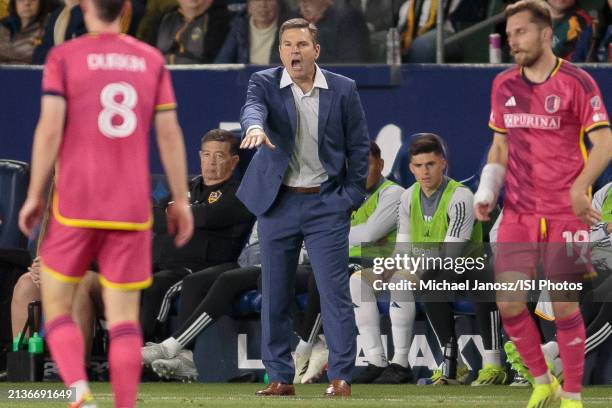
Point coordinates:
[(540, 103), (374, 222), (100, 94), (434, 209)]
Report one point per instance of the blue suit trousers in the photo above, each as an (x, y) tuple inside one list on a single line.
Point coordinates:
[(295, 218)]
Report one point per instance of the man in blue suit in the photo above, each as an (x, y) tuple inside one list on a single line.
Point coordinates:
[(302, 185)]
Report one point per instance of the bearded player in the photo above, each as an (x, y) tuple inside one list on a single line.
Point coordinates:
[(100, 94), (541, 110)]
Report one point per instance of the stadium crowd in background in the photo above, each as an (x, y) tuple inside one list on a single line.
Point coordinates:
[(572, 30), (22, 29), (343, 32), (253, 37), (602, 53), (194, 33), (244, 31)]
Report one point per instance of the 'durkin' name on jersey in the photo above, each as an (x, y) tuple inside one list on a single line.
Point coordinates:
[(117, 62)]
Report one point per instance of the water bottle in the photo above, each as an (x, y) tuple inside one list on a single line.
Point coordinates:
[(17, 342), (495, 52), (393, 47), (450, 359), (35, 344)]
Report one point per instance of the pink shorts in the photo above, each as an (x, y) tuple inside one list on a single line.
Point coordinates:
[(523, 240), (123, 257)]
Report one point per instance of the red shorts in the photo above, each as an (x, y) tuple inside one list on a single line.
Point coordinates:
[(560, 244), (123, 257)]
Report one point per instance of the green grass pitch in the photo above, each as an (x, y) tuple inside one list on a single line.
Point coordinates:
[(171, 395)]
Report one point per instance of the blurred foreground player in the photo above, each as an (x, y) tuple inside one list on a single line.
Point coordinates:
[(540, 110), (100, 93)]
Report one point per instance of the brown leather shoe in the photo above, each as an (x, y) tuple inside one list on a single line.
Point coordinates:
[(338, 388), (277, 389)]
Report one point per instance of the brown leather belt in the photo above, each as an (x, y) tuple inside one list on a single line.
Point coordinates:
[(302, 190)]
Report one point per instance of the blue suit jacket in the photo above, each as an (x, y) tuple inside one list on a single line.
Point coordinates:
[(343, 140)]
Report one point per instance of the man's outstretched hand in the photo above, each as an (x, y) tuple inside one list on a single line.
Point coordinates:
[(255, 138)]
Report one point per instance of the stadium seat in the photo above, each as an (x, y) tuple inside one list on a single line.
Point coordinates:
[(14, 179), (471, 182), (463, 306), (247, 303), (245, 157), (399, 171), (159, 188)]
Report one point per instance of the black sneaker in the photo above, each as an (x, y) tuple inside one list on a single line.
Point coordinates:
[(368, 375), (394, 374)]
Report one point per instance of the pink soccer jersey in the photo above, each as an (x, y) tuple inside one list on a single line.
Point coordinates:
[(545, 126), (112, 85)]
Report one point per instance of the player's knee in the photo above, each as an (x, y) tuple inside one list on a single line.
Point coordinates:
[(228, 280), (358, 284), (25, 290), (356, 278), (509, 309), (564, 309), (121, 305), (87, 287)]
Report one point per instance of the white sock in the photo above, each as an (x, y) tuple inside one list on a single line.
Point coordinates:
[(550, 350), (172, 346), (491, 357), (543, 379), (572, 395), (81, 388), (304, 348), (367, 319), (401, 312), (321, 339)]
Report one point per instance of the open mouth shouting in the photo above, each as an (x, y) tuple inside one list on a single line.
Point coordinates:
[(296, 63)]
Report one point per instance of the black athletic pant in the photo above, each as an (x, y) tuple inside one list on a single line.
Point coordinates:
[(167, 284), (596, 310), (209, 294), (441, 316)]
